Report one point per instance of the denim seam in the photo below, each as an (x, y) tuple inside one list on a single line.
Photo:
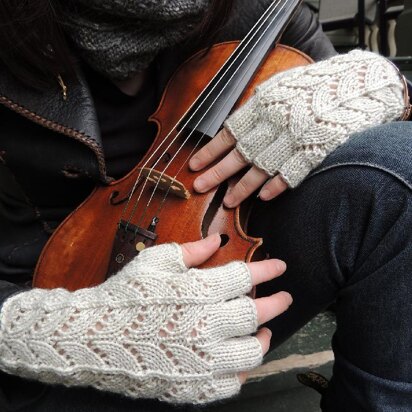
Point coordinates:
[(375, 166)]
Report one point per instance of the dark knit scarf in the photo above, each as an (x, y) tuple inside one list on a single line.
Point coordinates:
[(119, 38)]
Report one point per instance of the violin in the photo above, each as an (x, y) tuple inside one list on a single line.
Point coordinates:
[(155, 203)]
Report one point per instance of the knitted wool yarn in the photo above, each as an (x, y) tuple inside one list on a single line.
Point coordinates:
[(296, 118), (155, 330), (119, 38)]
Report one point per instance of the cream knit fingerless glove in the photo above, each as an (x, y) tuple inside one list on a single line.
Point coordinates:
[(155, 330), (296, 118)]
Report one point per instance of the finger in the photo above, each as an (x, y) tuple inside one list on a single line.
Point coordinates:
[(274, 187), (269, 307), (221, 143), (235, 317), (237, 354), (266, 270), (264, 335), (227, 167), (251, 181), (195, 253), (236, 278)]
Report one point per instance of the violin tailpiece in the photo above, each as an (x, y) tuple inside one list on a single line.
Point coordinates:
[(129, 241)]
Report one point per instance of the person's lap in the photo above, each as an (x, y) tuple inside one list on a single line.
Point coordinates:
[(346, 235)]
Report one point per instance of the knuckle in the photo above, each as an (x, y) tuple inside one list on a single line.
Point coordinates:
[(217, 174), (206, 154), (243, 187)]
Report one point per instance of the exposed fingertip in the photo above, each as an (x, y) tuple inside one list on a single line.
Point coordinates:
[(214, 238), (286, 297), (200, 185), (195, 164), (229, 200), (265, 194), (280, 265), (267, 331)]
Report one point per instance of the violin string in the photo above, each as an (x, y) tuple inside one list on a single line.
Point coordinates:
[(247, 39), (188, 158), (179, 121), (203, 135), (178, 134)]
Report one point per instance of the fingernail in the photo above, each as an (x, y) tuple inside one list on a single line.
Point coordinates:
[(194, 164), (264, 194), (229, 200), (199, 185), (269, 333)]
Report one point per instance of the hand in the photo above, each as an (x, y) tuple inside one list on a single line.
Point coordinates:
[(157, 329), (297, 118), (267, 308), (227, 167)]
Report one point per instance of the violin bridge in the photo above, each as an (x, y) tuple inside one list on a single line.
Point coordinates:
[(165, 182)]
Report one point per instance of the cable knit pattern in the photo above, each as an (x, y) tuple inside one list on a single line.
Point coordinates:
[(296, 118), (155, 330)]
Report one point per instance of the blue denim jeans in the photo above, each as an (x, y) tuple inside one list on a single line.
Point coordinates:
[(346, 235)]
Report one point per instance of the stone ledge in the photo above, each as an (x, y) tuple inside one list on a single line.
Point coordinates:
[(310, 361)]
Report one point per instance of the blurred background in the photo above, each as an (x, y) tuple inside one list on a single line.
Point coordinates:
[(382, 26), (385, 27)]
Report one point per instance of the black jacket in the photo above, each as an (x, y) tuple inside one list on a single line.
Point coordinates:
[(51, 154)]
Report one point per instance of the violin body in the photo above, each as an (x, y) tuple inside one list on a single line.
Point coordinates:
[(80, 251)]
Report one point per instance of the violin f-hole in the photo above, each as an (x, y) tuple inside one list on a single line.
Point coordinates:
[(214, 206), (113, 198), (224, 240)]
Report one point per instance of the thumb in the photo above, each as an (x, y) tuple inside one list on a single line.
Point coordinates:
[(195, 253)]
